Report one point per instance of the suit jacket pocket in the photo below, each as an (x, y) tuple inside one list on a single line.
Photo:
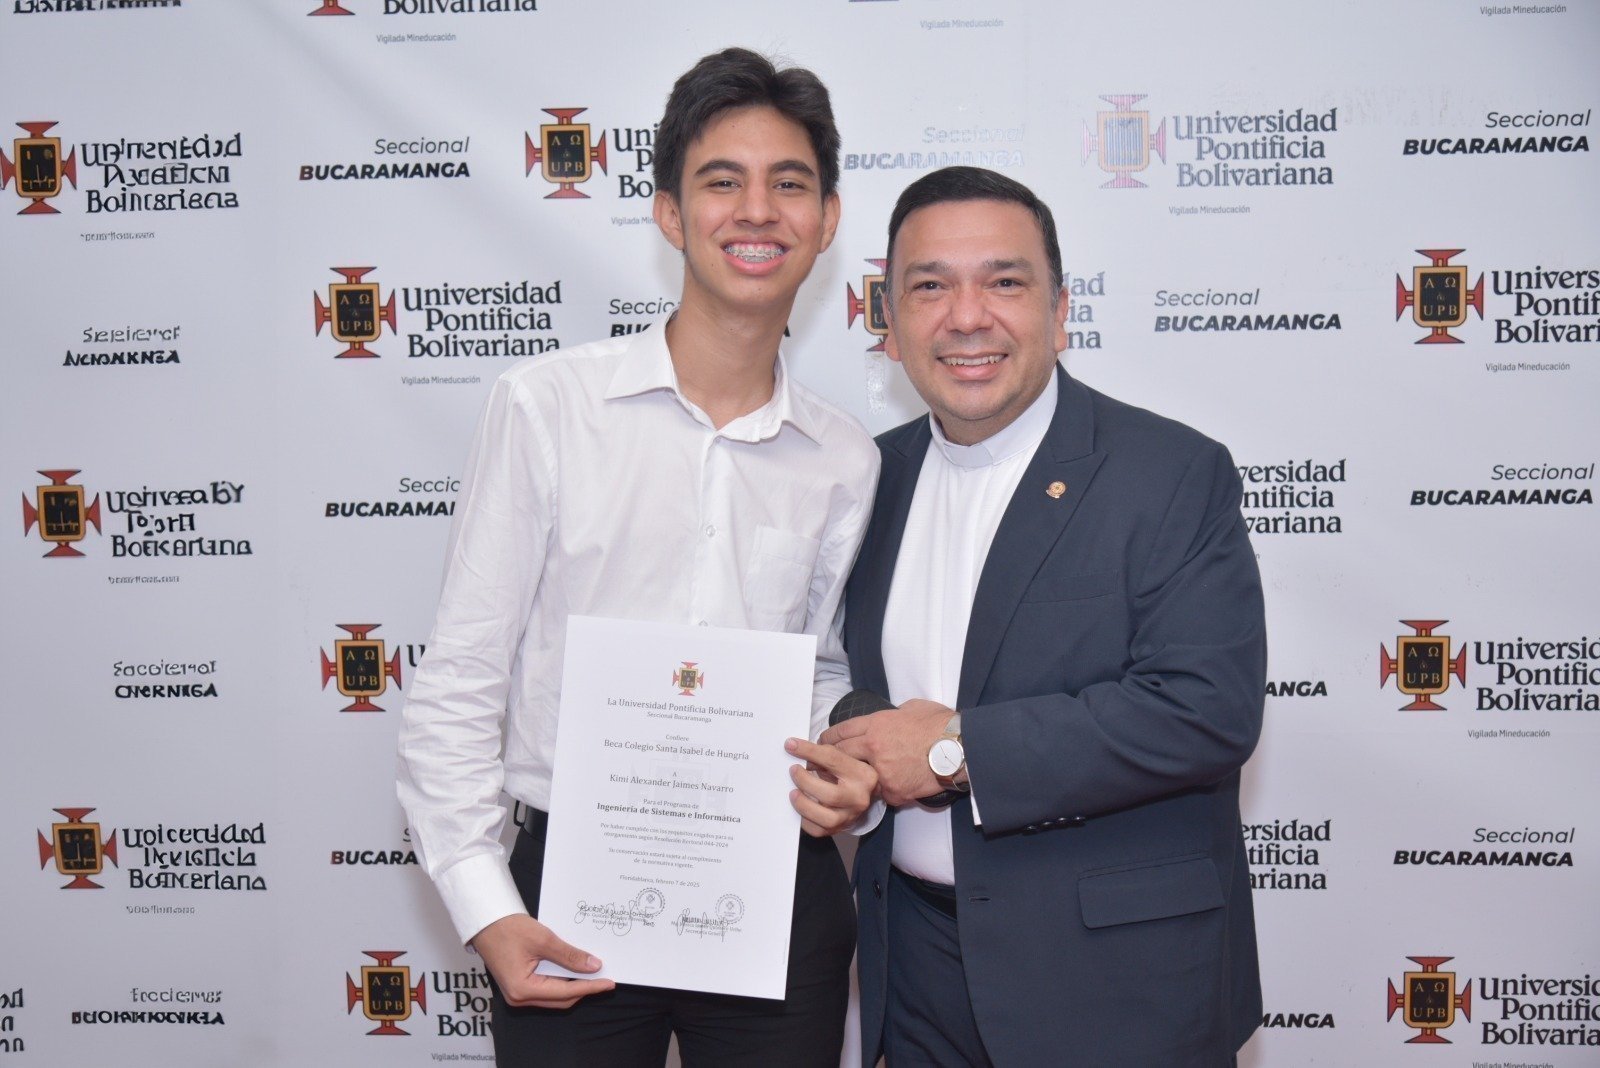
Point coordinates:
[(1078, 587), (1176, 886), (778, 578)]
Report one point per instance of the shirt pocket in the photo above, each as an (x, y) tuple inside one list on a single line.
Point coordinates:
[(778, 579)]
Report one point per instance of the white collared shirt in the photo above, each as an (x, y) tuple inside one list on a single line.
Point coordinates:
[(961, 494), (594, 487)]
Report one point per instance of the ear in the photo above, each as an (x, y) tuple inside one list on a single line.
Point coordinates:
[(669, 219), (830, 219), (891, 345), (1060, 315)]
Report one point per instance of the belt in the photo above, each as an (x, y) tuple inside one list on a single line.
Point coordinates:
[(532, 821), (936, 895)]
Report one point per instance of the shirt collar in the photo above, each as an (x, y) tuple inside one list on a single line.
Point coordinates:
[(1023, 432), (646, 366)]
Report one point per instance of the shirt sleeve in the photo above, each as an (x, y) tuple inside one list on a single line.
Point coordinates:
[(825, 609), (450, 766)]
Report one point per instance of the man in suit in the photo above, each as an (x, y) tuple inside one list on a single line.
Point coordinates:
[(1058, 593)]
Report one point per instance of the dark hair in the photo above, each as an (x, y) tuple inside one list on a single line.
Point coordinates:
[(737, 78), (975, 183)]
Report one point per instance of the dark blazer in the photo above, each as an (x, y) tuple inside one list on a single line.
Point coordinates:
[(1111, 688)]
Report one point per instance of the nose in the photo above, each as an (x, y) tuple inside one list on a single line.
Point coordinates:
[(969, 311), (756, 205)]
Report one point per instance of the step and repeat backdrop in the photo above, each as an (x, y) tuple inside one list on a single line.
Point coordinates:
[(262, 262)]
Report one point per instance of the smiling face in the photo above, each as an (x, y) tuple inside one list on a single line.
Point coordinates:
[(972, 316), (750, 217)]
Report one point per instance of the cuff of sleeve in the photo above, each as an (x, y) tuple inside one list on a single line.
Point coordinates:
[(870, 818), (972, 794), (477, 891)]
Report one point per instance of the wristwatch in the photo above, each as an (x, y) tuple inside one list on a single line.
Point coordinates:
[(947, 756)]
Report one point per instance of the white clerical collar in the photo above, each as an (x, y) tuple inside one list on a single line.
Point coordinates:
[(1023, 432)]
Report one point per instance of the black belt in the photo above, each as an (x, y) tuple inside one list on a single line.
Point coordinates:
[(936, 895), (532, 821)]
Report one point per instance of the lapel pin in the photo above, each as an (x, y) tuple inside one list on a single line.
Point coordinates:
[(1056, 489)]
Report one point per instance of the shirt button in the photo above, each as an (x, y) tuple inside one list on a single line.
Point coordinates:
[(711, 530)]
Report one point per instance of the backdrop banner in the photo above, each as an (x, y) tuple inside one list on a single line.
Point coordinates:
[(264, 260)]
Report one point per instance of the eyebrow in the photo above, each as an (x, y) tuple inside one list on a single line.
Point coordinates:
[(787, 166)]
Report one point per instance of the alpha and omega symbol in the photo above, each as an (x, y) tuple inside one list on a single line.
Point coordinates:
[(39, 168), (688, 678), (385, 992), (358, 667), (355, 311), (77, 849), (1429, 1000), (564, 153), (59, 511), (1124, 141), (1439, 297), (1422, 663), (869, 305)]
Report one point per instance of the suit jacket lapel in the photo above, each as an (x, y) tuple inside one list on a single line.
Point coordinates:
[(897, 484), (1031, 526)]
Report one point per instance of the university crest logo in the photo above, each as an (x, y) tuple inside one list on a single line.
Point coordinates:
[(564, 153), (355, 312), (358, 667), (60, 514), (1123, 141), (1439, 297), (39, 169), (1421, 665), (868, 307), (1428, 1000), (385, 992), (77, 849)]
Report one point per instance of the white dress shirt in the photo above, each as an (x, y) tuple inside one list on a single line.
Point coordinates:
[(961, 494), (594, 487)]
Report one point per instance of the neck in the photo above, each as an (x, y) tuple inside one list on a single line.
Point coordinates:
[(725, 363)]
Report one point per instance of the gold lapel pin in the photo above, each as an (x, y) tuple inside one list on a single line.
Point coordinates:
[(1056, 489)]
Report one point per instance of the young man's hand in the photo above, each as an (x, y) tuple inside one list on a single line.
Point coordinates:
[(512, 945), (831, 791)]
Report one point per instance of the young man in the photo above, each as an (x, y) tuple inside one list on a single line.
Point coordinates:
[(676, 475), (1073, 575)]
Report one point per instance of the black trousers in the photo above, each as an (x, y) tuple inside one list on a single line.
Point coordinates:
[(632, 1025)]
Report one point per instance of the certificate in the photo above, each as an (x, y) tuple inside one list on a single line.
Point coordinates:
[(671, 848)]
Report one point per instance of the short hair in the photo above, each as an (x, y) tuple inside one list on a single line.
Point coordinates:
[(738, 78), (975, 183)]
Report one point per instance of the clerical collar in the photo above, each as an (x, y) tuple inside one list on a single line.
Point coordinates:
[(1023, 432)]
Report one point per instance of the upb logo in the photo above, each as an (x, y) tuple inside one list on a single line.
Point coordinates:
[(1123, 141), (1428, 1000), (58, 510), (1422, 666), (564, 153), (358, 667), (39, 169)]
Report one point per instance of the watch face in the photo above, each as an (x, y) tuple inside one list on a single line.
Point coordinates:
[(946, 757)]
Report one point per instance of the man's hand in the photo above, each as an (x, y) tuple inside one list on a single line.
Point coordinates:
[(832, 790), (896, 743), (512, 945)]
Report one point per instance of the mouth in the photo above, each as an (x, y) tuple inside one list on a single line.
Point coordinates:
[(755, 252), (972, 361)]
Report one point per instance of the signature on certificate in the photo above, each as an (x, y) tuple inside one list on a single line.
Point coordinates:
[(619, 919), (715, 923)]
